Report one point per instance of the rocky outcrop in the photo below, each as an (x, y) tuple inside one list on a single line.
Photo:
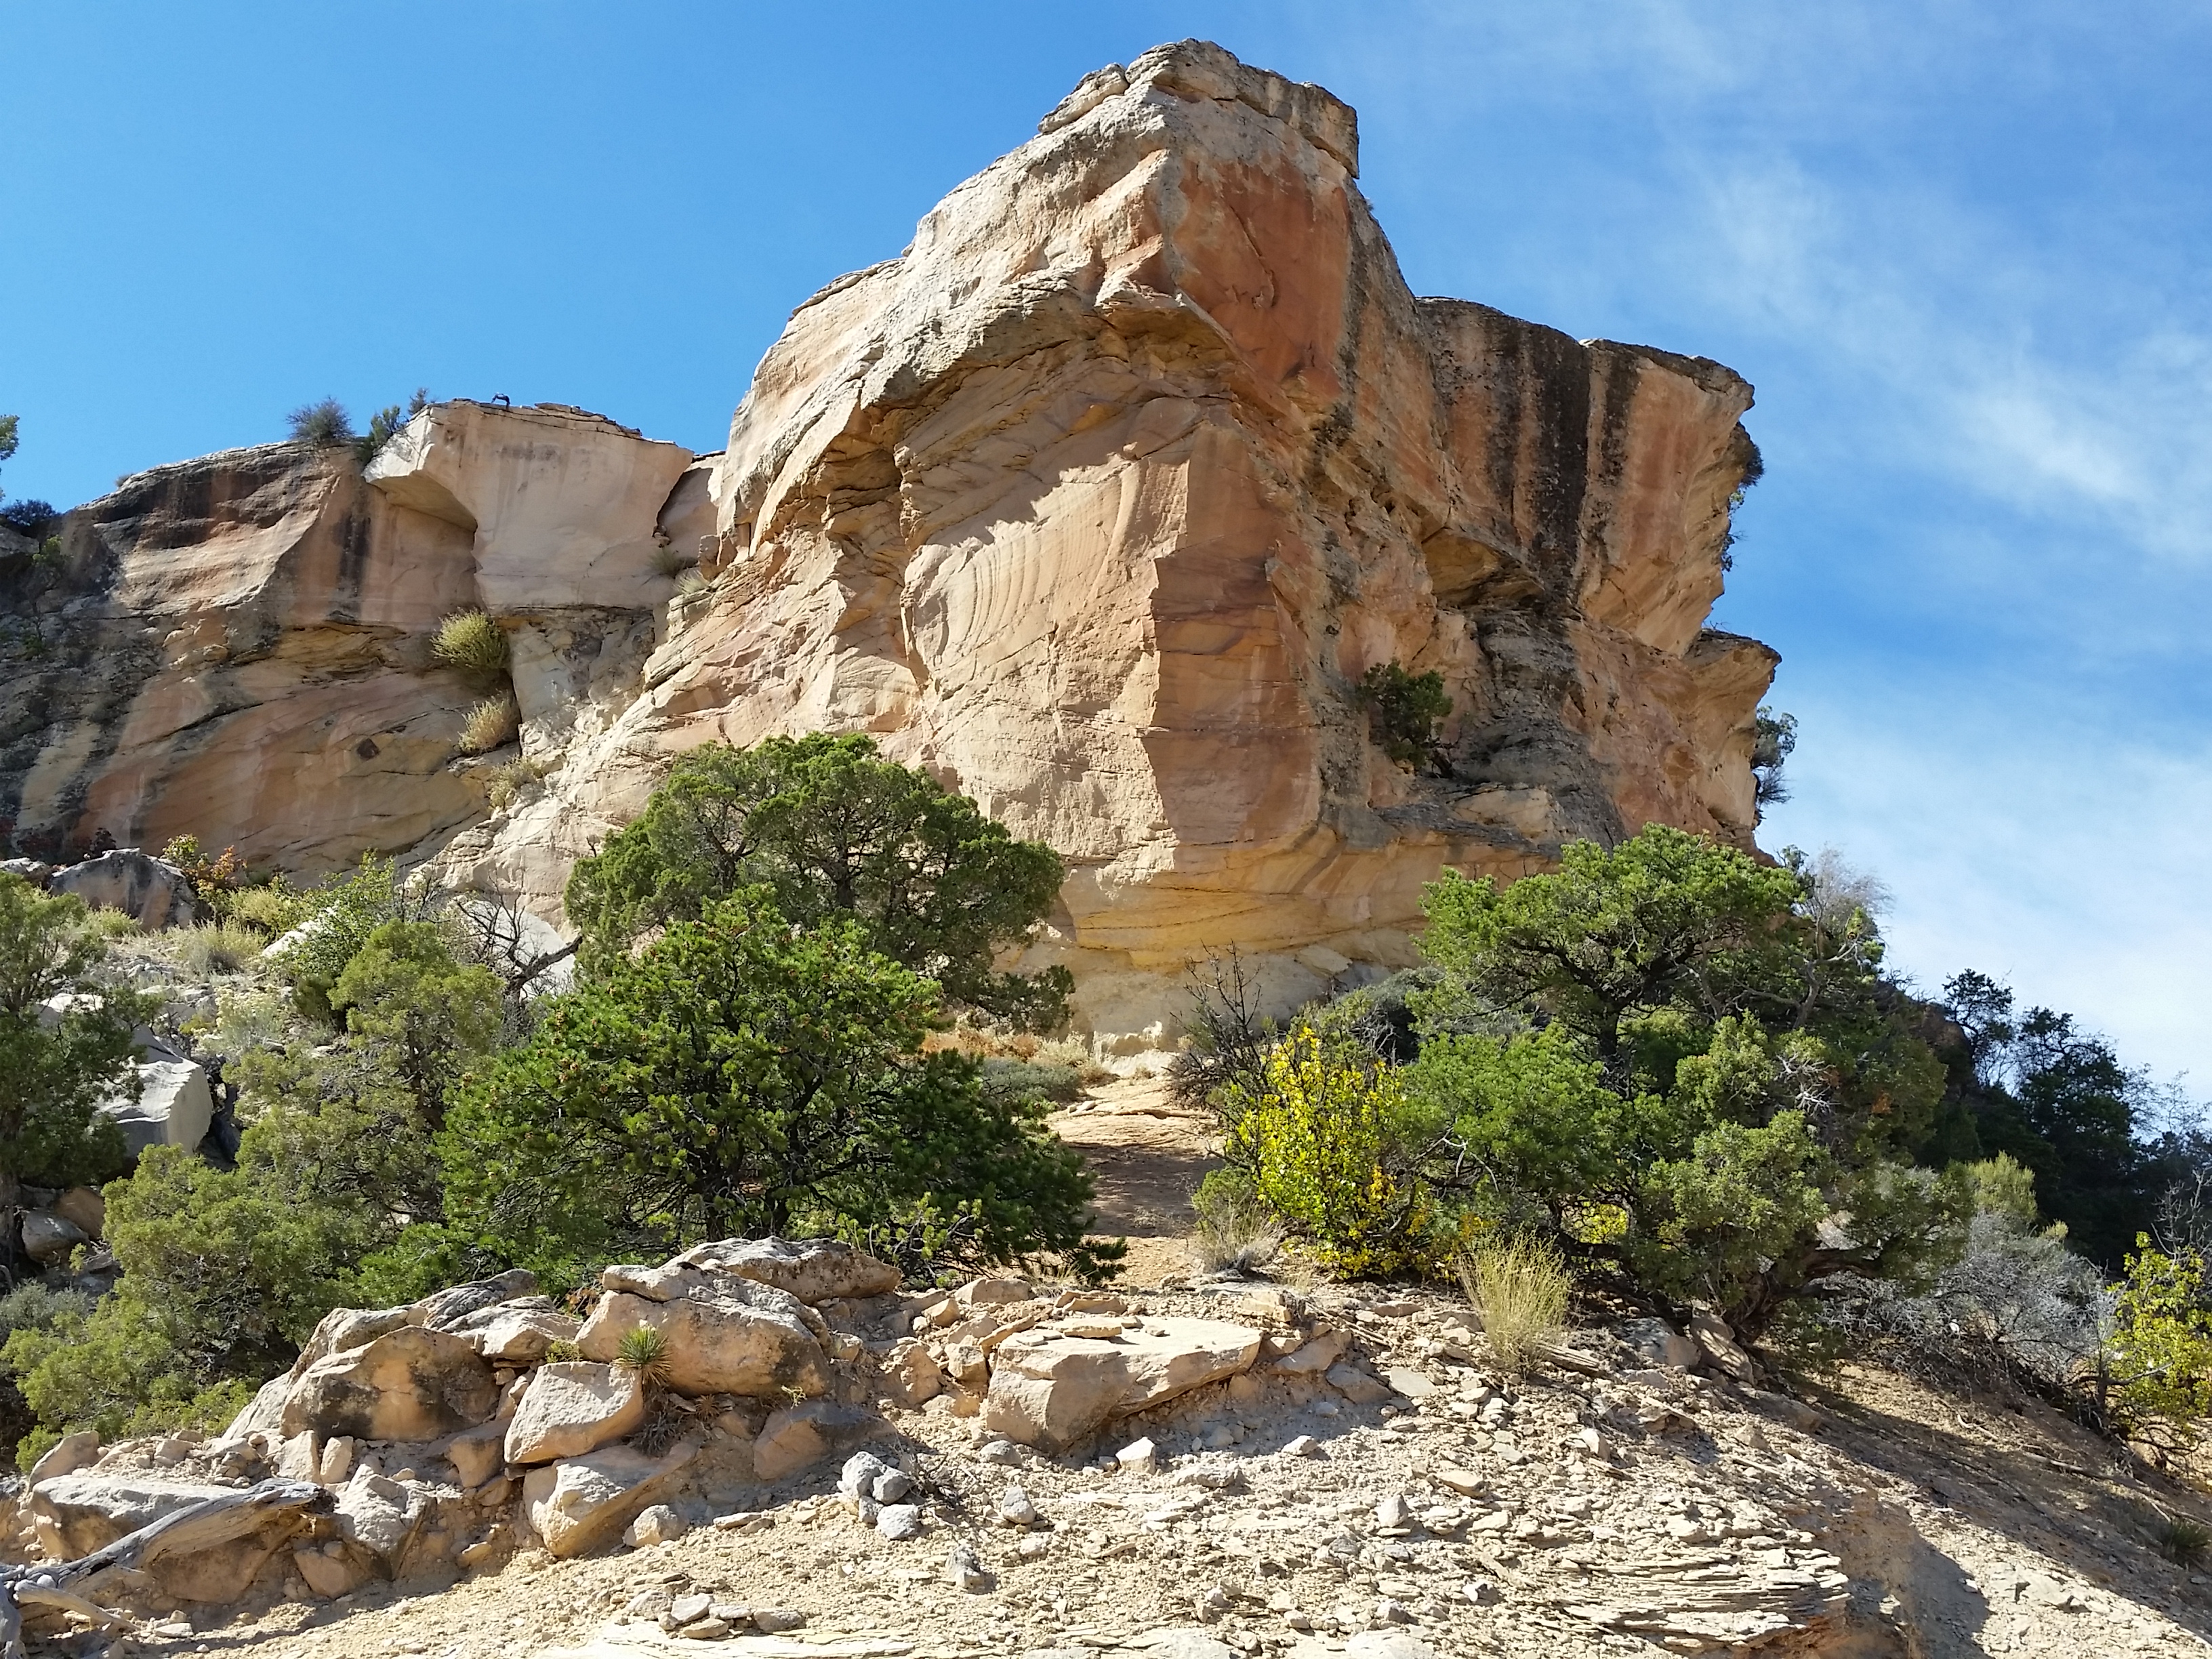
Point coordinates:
[(1098, 502), (239, 647)]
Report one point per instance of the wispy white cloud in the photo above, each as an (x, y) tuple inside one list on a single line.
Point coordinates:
[(2066, 865)]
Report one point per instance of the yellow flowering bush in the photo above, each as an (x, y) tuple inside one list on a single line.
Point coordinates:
[(1320, 1133)]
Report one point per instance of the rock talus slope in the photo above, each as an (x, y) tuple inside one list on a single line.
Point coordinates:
[(1098, 502)]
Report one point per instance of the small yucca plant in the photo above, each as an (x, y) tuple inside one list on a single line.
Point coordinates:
[(643, 1352)]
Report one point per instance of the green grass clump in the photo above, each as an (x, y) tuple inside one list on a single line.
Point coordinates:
[(1520, 1290), (217, 947)]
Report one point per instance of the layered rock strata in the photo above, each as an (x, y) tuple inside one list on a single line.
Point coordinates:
[(1098, 502)]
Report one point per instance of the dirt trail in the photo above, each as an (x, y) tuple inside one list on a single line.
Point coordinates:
[(1147, 1154)]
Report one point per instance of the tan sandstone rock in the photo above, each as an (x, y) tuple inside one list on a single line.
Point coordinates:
[(572, 1409), (812, 1270), (581, 1503), (734, 1338), (1056, 1391), (411, 1383), (1097, 502)]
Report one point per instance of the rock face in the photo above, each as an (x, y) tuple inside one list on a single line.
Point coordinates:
[(1098, 502)]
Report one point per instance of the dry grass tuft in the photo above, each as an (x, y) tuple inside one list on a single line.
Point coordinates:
[(216, 947), (492, 723), (473, 643), (1520, 1290), (1236, 1233)]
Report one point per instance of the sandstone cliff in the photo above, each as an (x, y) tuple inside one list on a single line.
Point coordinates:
[(1098, 502)]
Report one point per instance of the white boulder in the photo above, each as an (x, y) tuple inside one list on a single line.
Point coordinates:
[(572, 1409)]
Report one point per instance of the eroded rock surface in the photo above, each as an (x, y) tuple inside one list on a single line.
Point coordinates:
[(1098, 502)]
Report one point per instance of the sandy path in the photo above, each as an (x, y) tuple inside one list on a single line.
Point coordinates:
[(1147, 1155)]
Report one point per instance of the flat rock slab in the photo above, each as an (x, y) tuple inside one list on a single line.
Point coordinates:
[(1052, 1389)]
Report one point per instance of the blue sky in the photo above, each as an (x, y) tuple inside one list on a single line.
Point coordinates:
[(1962, 250)]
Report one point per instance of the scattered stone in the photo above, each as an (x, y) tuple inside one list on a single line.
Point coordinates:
[(1719, 1345), (1015, 1508), (999, 1452), (656, 1524), (1412, 1384), (1304, 1445), (814, 1270), (67, 1455), (891, 1485), (965, 1569), (729, 1337), (581, 1503), (1139, 1455), (410, 1383), (378, 1514), (899, 1522), (151, 891), (1357, 1386), (804, 1434), (1393, 1511), (1465, 1482)]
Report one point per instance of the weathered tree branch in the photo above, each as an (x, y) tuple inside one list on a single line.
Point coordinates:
[(202, 1526)]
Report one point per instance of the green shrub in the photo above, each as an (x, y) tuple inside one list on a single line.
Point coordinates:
[(740, 1077), (57, 1074), (341, 915), (472, 643), (1404, 711), (834, 832), (1033, 1079), (406, 997), (643, 1352), (276, 908), (325, 424), (1321, 1136)]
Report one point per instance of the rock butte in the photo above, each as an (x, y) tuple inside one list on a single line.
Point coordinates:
[(1096, 502)]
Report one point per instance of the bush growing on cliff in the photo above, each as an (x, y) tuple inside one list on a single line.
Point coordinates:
[(58, 1068), (325, 424), (834, 832), (471, 642), (1404, 710), (743, 1075)]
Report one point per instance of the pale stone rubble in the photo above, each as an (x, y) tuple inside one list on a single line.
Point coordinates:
[(1219, 1469)]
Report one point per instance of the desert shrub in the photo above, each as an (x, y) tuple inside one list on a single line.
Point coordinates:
[(740, 1076), (2182, 1541), (384, 424), (225, 1272), (1321, 1136), (341, 915), (404, 996), (1235, 1232), (834, 832), (106, 923), (56, 1074), (325, 424), (690, 580), (1226, 1038), (1033, 1079), (275, 909), (1774, 739), (492, 723), (2017, 1306), (643, 1352), (472, 643), (216, 947), (1520, 1287), (506, 783), (1699, 1046), (1404, 711), (2159, 1356)]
